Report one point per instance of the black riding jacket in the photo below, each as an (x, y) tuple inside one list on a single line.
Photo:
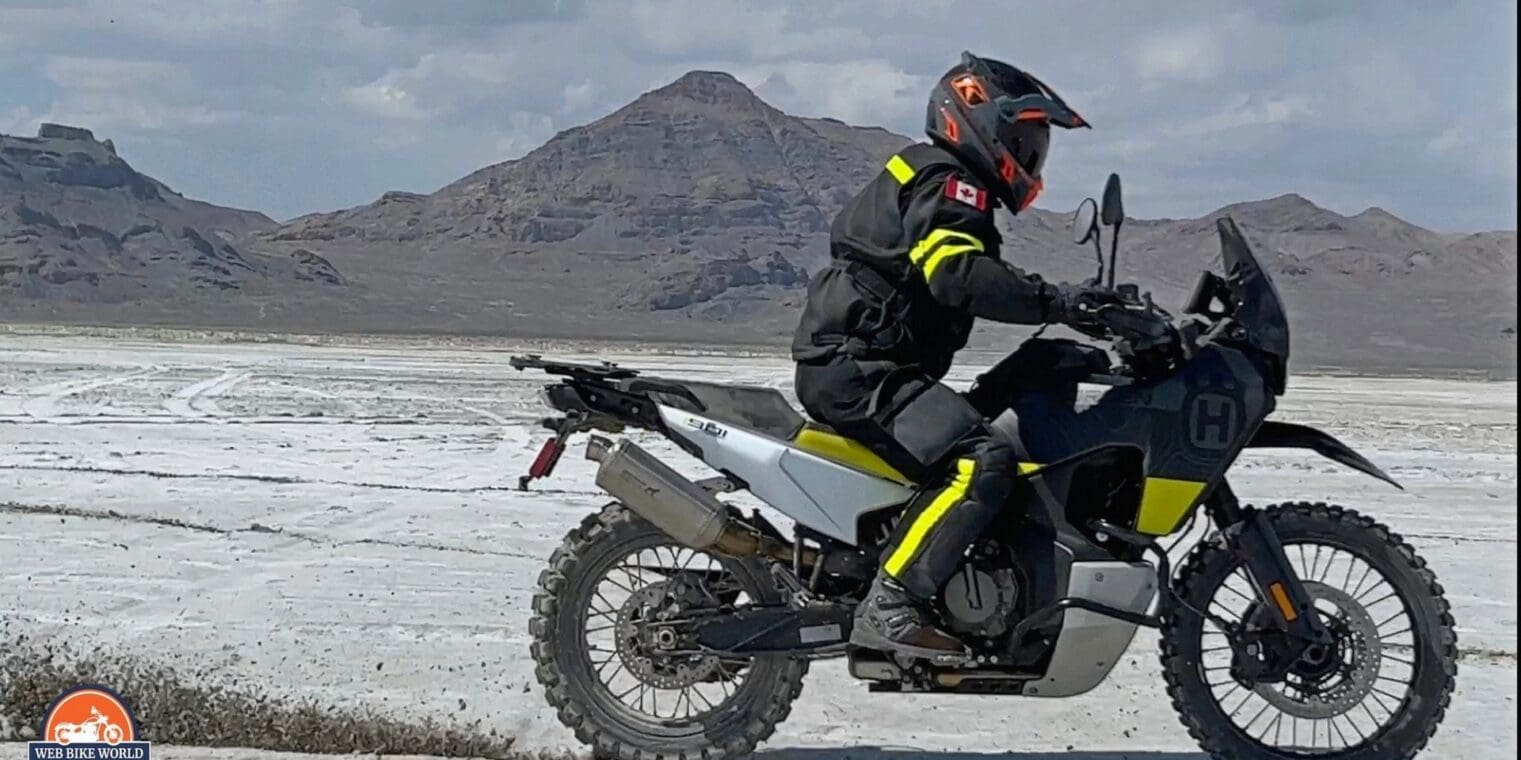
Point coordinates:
[(914, 260)]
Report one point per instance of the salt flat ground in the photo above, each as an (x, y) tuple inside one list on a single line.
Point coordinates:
[(339, 524)]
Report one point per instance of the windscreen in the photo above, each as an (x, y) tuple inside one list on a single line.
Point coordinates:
[(1260, 308)]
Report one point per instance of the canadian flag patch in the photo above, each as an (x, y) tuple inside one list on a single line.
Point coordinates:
[(971, 195)]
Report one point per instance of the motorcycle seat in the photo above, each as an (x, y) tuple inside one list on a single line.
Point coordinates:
[(763, 410)]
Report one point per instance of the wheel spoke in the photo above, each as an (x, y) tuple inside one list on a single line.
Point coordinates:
[(1339, 734), (1361, 737), (1380, 583), (610, 581), (1362, 580), (704, 697), (1326, 569), (1239, 705), (612, 609), (1228, 587), (1265, 706), (1351, 566), (616, 670), (1371, 716)]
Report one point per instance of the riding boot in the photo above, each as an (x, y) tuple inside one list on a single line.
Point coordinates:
[(889, 620)]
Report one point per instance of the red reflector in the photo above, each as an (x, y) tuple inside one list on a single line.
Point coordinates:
[(544, 463)]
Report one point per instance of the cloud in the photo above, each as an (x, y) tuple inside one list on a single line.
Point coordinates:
[(857, 92), (18, 120), (384, 100), (1188, 54), (1245, 111), (113, 94), (1486, 152)]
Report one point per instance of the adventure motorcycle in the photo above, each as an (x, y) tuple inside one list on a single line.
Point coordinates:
[(671, 625)]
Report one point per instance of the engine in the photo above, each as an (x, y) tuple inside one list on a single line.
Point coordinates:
[(981, 600)]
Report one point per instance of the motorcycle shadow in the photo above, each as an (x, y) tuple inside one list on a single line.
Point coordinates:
[(885, 753)]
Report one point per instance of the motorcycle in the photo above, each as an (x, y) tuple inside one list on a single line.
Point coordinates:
[(95, 729), (672, 625)]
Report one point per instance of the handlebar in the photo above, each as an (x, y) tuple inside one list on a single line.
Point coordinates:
[(1148, 339), (1144, 335)]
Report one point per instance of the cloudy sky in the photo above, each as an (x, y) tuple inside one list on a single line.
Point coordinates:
[(290, 107)]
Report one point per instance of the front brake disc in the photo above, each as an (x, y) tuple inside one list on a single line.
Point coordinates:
[(1360, 651)]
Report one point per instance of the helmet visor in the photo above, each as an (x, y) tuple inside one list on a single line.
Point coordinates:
[(1029, 142)]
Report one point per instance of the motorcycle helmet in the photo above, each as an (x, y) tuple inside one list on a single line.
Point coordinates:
[(997, 119)]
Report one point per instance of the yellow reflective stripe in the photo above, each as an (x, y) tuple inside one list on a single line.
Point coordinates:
[(838, 448), (938, 246), (900, 169), (936, 237), (1164, 503), (931, 515), (942, 253), (1025, 468)]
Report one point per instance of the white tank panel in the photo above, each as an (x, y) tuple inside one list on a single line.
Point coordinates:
[(823, 495)]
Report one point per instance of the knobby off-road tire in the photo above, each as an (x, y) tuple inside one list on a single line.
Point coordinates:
[(563, 666), (1434, 649)]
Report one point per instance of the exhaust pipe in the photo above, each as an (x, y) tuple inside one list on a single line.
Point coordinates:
[(673, 503)]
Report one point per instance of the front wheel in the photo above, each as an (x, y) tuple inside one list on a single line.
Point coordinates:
[(1377, 692), (626, 680)]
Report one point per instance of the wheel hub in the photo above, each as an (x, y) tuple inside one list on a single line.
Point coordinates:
[(643, 639), (1329, 680)]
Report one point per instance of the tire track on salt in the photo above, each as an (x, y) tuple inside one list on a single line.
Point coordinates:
[(183, 403), (44, 399), (292, 480), (60, 510)]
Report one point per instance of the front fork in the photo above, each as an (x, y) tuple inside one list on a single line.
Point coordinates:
[(1279, 590)]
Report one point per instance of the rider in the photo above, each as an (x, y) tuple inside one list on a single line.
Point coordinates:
[(915, 259)]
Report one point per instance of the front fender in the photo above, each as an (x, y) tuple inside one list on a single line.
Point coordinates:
[(1284, 435)]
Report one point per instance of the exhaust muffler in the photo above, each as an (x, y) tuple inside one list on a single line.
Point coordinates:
[(673, 503)]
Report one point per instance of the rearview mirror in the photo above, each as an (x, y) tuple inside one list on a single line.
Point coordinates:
[(1085, 221), (1114, 203)]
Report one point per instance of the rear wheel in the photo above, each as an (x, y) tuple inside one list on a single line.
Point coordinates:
[(626, 682), (1377, 692)]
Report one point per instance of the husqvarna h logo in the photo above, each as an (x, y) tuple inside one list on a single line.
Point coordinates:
[(1212, 421)]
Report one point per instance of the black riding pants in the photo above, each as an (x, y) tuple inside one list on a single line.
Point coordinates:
[(930, 433)]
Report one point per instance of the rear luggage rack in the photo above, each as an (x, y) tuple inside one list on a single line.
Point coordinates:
[(603, 371)]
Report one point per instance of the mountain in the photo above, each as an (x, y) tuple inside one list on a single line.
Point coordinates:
[(695, 196), (81, 230), (696, 212)]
